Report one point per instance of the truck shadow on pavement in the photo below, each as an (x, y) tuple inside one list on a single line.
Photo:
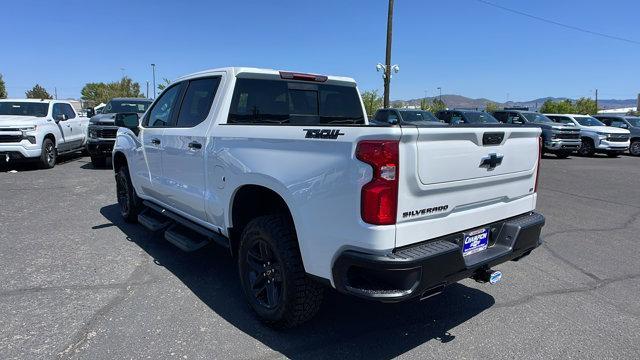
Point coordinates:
[(345, 326)]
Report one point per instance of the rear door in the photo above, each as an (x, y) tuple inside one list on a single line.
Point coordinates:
[(456, 178), (184, 146)]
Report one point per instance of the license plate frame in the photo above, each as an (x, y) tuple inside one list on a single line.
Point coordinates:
[(475, 241)]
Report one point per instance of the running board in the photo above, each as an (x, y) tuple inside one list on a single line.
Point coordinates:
[(153, 220), (185, 239), (209, 235)]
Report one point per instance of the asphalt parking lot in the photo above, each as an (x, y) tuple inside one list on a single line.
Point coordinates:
[(77, 282)]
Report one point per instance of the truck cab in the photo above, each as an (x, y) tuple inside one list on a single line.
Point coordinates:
[(458, 117), (407, 117), (558, 139)]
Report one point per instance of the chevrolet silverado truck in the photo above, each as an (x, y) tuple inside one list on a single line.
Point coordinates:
[(101, 134), (595, 136), (558, 139), (285, 171), (39, 130), (631, 123)]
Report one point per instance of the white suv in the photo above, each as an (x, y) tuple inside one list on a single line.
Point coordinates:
[(596, 137), (39, 130)]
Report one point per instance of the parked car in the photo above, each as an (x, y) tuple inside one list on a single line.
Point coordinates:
[(631, 123), (102, 131), (284, 170), (393, 116), (596, 137), (39, 130), (456, 117), (558, 139)]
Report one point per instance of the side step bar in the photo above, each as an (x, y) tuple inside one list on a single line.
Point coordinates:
[(187, 235), (153, 220)]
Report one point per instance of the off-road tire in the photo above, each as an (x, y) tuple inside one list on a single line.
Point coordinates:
[(587, 148), (634, 148), (49, 155), (129, 203), (300, 296)]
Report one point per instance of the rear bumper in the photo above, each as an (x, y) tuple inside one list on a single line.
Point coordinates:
[(416, 270)]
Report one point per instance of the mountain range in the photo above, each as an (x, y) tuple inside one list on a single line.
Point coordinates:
[(459, 101)]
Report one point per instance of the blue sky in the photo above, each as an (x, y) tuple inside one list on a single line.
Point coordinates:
[(463, 46)]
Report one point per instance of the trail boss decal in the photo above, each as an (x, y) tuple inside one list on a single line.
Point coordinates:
[(427, 211), (322, 133)]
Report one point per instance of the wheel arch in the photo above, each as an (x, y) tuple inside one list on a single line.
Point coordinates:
[(119, 160)]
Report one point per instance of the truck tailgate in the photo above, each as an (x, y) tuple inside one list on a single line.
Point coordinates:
[(458, 178)]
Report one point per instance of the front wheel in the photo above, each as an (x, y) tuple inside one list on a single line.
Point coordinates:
[(48, 155), (272, 274), (634, 149), (129, 202), (586, 148)]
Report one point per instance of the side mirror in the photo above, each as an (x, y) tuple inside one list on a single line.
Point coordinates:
[(91, 113), (59, 117), (127, 120)]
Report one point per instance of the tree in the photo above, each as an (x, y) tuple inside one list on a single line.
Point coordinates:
[(163, 85), (372, 101), (558, 107), (3, 89), (490, 106), (586, 106), (437, 105), (38, 92), (96, 93)]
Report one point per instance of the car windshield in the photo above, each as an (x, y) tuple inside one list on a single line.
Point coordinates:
[(588, 121), (121, 106), (634, 121), (479, 117), (413, 116), (535, 117), (24, 108)]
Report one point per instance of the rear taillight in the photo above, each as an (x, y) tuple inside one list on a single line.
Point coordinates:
[(535, 188), (379, 203)]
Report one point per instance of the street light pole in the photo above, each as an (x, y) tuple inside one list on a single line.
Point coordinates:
[(440, 90), (153, 68), (387, 70)]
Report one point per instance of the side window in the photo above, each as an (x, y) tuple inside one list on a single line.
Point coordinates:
[(68, 110), (197, 101), (57, 110), (515, 118), (457, 118), (501, 116), (445, 116), (617, 123), (393, 117), (160, 114), (382, 115)]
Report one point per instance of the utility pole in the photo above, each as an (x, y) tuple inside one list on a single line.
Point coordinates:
[(153, 69), (440, 90), (387, 70), (147, 89), (55, 92), (596, 101)]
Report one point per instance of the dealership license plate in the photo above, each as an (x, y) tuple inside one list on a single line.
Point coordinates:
[(475, 241)]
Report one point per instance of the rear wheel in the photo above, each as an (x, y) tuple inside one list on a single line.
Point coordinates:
[(48, 155), (634, 149), (586, 148), (272, 275), (129, 202)]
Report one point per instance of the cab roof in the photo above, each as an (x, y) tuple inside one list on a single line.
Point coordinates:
[(235, 71)]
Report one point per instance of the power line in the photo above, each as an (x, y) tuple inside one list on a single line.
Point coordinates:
[(613, 37)]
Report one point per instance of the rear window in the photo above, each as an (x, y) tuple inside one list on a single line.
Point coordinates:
[(258, 101)]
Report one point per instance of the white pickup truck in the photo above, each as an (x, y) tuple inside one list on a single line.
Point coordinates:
[(40, 130), (285, 170)]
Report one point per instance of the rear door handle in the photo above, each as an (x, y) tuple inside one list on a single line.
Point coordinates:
[(155, 141), (195, 145)]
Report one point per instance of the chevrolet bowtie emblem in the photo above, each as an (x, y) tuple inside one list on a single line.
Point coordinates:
[(491, 161)]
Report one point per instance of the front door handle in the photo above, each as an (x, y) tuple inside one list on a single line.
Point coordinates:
[(195, 145), (155, 141)]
